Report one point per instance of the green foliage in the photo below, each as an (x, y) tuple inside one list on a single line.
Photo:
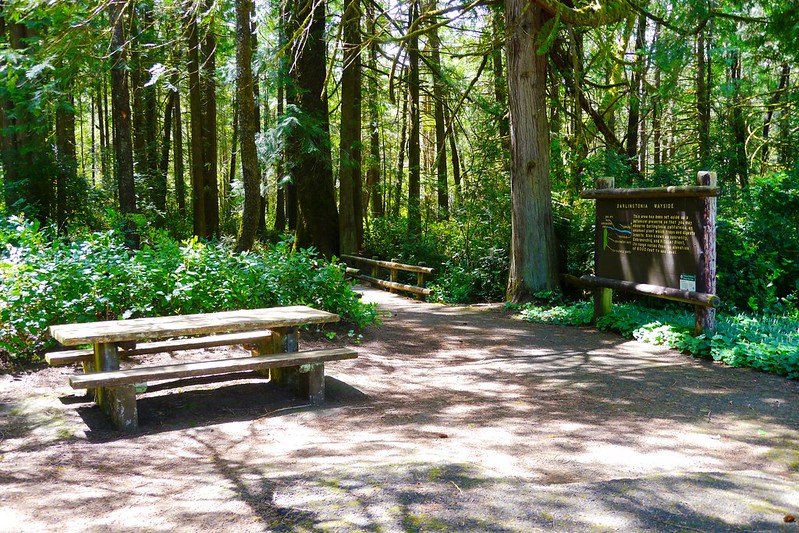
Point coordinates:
[(764, 342), (52, 281), (574, 314), (758, 245)]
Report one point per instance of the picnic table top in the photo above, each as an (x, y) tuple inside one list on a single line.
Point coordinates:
[(138, 329)]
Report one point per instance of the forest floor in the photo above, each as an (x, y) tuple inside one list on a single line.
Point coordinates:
[(451, 419)]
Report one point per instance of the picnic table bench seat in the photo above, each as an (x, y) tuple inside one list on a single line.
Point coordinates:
[(119, 386), (86, 355)]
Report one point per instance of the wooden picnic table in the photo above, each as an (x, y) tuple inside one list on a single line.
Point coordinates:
[(115, 389)]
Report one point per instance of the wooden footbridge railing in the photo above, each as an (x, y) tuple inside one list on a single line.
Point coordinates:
[(393, 268)]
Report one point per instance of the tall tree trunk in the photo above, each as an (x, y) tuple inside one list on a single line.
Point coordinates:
[(738, 123), (180, 182), (634, 114), (103, 148), (280, 202), (533, 264), (414, 169), (703, 100), (500, 83), (456, 160), (160, 186), (317, 223), (209, 144), (350, 202), (247, 127), (196, 108), (374, 191), (120, 96), (442, 188), (234, 143), (395, 208), (773, 102), (65, 157), (657, 114)]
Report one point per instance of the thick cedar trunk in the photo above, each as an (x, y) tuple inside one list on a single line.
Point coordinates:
[(209, 144), (120, 96), (414, 168), (317, 223), (196, 108), (438, 96), (247, 127), (533, 258), (350, 201)]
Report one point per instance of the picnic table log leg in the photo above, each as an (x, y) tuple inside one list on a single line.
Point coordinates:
[(284, 340), (117, 402), (312, 382)]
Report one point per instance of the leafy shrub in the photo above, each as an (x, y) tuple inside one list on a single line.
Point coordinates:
[(758, 245), (57, 281)]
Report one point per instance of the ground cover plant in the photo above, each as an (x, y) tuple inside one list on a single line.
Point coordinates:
[(52, 280), (761, 341)]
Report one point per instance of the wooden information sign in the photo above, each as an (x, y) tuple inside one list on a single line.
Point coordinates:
[(657, 241)]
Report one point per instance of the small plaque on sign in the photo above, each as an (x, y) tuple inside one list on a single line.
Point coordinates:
[(687, 282)]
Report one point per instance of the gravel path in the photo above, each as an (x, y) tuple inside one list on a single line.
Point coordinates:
[(451, 419)]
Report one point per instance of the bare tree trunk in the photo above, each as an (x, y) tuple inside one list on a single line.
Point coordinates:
[(500, 83), (634, 115), (373, 188), (738, 123), (533, 265), (350, 201), (65, 157), (209, 135), (246, 99), (395, 208), (702, 100), (196, 107), (774, 101), (159, 195), (234, 146), (180, 183), (434, 43), (120, 96), (414, 168)]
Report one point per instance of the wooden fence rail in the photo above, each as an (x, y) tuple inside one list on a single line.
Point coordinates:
[(394, 268)]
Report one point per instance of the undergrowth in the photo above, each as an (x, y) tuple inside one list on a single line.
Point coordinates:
[(764, 342), (47, 280)]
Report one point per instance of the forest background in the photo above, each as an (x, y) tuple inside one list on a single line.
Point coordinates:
[(153, 152)]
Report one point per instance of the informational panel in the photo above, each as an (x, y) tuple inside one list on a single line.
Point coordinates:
[(650, 240)]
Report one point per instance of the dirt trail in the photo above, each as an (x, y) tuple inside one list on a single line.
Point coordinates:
[(451, 419)]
